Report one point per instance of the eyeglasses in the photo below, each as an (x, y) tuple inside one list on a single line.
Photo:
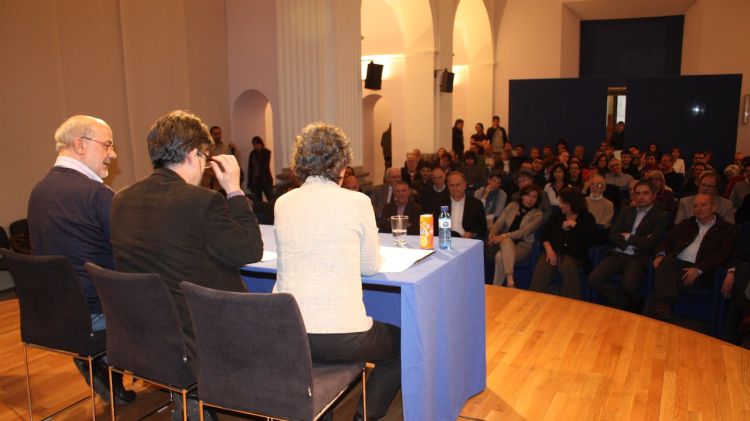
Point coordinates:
[(597, 185), (108, 144), (205, 154)]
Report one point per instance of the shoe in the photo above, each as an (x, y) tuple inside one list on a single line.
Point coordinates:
[(192, 410), (663, 311)]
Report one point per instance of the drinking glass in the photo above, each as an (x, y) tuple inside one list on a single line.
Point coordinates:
[(398, 228)]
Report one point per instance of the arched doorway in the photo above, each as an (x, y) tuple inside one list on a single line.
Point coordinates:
[(472, 65), (399, 35), (376, 120), (252, 116)]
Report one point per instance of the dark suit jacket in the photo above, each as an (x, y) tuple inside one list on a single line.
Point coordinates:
[(412, 210), (184, 233), (715, 249), (574, 241), (405, 176), (474, 219), (647, 235)]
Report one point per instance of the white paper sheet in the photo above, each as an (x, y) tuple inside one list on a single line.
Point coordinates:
[(398, 259), (268, 255)]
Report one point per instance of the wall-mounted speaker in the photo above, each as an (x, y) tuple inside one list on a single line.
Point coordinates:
[(374, 77), (446, 81)]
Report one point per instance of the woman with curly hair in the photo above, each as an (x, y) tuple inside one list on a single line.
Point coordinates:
[(322, 265)]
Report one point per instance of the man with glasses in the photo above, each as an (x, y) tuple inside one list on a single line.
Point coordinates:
[(635, 235), (167, 224), (69, 214), (707, 184)]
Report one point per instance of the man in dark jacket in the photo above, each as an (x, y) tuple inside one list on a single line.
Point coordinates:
[(689, 255), (167, 224), (635, 235)]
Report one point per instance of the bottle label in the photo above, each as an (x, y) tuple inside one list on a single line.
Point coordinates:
[(445, 223)]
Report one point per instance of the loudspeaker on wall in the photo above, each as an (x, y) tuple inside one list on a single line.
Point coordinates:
[(374, 77)]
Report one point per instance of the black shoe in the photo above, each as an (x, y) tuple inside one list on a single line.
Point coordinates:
[(192, 410)]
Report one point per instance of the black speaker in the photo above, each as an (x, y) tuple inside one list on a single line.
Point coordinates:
[(446, 81), (374, 76)]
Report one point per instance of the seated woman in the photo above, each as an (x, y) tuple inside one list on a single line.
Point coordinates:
[(576, 175), (664, 194), (513, 233), (558, 180), (326, 239), (566, 238), (492, 196)]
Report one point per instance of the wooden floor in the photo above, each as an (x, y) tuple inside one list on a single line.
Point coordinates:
[(548, 358)]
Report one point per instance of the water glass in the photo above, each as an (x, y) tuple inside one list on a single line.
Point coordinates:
[(398, 228)]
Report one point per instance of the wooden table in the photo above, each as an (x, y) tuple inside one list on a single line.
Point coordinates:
[(551, 358)]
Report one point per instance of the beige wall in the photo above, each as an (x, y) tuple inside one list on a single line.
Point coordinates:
[(126, 62)]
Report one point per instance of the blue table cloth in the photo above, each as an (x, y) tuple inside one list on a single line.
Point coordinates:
[(439, 305)]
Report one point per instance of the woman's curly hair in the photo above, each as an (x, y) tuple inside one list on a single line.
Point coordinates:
[(321, 150)]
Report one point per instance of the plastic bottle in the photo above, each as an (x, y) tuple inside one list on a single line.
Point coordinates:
[(444, 228)]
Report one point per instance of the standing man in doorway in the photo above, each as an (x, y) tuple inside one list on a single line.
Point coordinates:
[(458, 138), (497, 135)]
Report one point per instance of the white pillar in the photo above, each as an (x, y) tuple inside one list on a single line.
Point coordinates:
[(318, 70)]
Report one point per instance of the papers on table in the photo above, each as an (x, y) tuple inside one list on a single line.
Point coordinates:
[(395, 259), (398, 259), (268, 255)]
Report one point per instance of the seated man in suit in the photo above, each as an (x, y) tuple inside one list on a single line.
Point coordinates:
[(69, 214), (689, 255), (167, 224), (635, 234), (401, 205), (467, 212), (737, 322), (707, 184), (382, 194)]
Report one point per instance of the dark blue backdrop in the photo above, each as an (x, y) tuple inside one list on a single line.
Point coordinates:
[(691, 112)]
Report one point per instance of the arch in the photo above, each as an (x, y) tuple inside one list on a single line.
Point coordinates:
[(376, 118), (399, 34), (472, 64), (252, 115)]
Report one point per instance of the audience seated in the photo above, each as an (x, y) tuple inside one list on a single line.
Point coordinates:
[(741, 188), (511, 237), (689, 255), (435, 194), (402, 204), (672, 179), (628, 165), (635, 234), (664, 194), (410, 172), (566, 238), (735, 287), (350, 182), (492, 197), (679, 163), (615, 176), (708, 184)]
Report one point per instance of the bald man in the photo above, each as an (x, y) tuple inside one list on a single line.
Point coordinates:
[(68, 214), (689, 255)]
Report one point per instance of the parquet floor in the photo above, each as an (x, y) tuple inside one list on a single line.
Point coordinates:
[(548, 358)]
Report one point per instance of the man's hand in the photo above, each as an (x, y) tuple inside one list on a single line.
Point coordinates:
[(690, 275), (626, 235), (468, 234), (551, 258), (657, 261), (726, 287), (228, 174)]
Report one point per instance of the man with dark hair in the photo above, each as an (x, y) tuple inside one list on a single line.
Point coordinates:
[(69, 215), (436, 193), (458, 138), (635, 234), (167, 224), (689, 255), (497, 135), (618, 136), (628, 165)]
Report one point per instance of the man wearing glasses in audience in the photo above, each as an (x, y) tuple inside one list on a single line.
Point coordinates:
[(707, 184), (69, 214)]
